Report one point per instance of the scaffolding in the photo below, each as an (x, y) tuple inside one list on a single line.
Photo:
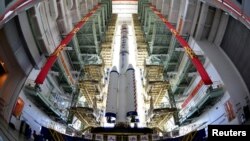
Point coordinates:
[(107, 45), (142, 52), (85, 115), (90, 89)]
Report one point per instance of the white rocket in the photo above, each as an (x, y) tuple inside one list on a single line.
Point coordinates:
[(121, 105)]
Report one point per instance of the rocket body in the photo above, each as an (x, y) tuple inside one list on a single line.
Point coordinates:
[(121, 100), (124, 54), (112, 95), (131, 92)]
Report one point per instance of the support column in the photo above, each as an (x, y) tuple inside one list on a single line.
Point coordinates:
[(174, 11), (221, 29), (159, 4), (89, 4), (171, 98), (84, 7), (215, 25), (165, 7), (196, 15), (202, 20), (173, 105), (153, 2), (186, 16)]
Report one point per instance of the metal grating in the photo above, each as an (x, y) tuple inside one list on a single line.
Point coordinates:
[(90, 89), (157, 90), (93, 72), (142, 52), (85, 115)]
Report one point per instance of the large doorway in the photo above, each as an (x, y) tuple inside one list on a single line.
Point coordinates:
[(236, 44)]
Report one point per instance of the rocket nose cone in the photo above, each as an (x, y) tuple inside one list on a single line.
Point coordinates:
[(114, 69), (130, 67)]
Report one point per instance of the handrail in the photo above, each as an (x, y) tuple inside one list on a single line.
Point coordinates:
[(47, 100), (200, 94), (162, 105)]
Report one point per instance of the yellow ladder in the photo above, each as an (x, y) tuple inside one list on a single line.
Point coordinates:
[(190, 136), (56, 136)]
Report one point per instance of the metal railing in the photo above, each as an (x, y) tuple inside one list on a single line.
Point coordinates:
[(46, 95), (201, 94), (162, 105), (83, 104)]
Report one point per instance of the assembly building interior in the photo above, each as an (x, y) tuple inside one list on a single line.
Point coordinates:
[(122, 70)]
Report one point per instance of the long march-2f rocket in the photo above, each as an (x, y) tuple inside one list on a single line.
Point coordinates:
[(121, 105)]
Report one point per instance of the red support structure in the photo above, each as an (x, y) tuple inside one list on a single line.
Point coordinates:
[(195, 60), (53, 57)]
